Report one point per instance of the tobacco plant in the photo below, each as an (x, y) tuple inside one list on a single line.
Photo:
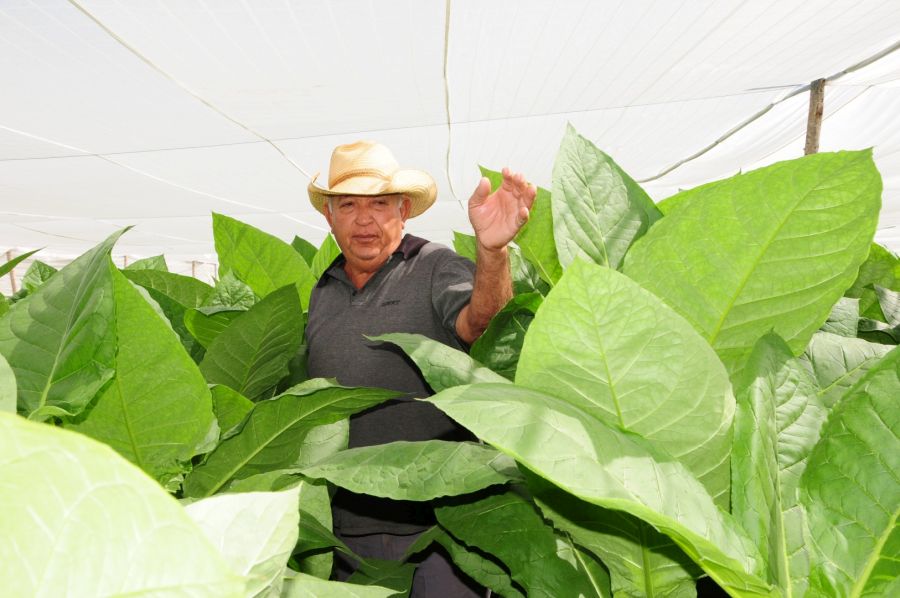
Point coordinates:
[(700, 389)]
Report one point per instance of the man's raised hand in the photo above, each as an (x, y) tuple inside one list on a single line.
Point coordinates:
[(498, 216)]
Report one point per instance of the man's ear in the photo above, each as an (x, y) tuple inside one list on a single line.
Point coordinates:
[(405, 208)]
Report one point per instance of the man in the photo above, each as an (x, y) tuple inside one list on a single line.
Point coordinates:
[(386, 282)]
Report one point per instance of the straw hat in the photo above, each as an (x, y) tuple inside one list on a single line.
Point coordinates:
[(369, 168)]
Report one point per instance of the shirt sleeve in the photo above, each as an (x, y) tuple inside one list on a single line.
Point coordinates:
[(451, 288)]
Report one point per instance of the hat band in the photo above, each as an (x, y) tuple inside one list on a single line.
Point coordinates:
[(358, 172)]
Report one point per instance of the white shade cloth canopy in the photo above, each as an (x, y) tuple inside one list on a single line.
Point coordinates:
[(156, 114)]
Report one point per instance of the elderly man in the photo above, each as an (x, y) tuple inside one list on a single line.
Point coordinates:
[(387, 282)]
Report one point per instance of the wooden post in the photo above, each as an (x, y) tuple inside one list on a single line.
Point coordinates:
[(194, 268), (12, 273), (124, 261), (814, 121)]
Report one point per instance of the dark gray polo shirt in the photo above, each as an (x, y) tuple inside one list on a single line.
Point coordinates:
[(421, 289)]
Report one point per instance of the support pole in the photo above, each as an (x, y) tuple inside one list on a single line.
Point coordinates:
[(12, 273), (814, 121), (194, 268)]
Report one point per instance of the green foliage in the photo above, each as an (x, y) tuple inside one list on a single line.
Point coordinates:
[(254, 532), (60, 341), (7, 267), (508, 527), (7, 387), (251, 355), (844, 318), (850, 492), (157, 410), (837, 363), (598, 210), (77, 519), (262, 261), (619, 461), (881, 268), (615, 351), (327, 253), (641, 561), (156, 263), (272, 435), (231, 292), (471, 561), (442, 366), (306, 249), (205, 324), (230, 407), (37, 274), (416, 470), (771, 249), (500, 345)]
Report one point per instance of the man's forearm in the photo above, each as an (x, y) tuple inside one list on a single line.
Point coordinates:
[(492, 290)]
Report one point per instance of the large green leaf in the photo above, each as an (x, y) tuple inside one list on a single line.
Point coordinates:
[(500, 345), (7, 387), (610, 468), (263, 261), (60, 341), (851, 490), (271, 437), (641, 561), (771, 249), (606, 345), (252, 354), (157, 410), (598, 210), (76, 519), (255, 532), (416, 470), (442, 366), (778, 421), (838, 363), (509, 528)]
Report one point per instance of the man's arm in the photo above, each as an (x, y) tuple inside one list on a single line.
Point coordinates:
[(496, 218)]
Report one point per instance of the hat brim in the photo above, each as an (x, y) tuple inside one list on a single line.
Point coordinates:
[(417, 185)]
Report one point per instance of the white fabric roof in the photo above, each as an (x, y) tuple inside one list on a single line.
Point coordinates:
[(155, 114)]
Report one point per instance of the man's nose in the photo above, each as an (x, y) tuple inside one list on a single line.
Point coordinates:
[(363, 215)]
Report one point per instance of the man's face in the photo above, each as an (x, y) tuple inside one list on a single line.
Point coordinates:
[(367, 229)]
